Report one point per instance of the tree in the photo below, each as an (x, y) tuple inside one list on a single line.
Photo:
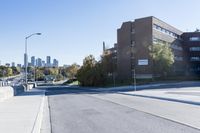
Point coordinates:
[(51, 71), (108, 63), (9, 72), (39, 74), (162, 57), (91, 73), (16, 70), (3, 71), (72, 71)]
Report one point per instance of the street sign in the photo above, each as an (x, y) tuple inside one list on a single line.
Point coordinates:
[(143, 62)]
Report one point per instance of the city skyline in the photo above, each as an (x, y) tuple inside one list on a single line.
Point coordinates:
[(35, 61), (38, 61), (71, 31)]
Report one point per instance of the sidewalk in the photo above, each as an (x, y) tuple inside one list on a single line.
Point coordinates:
[(172, 102), (184, 92), (188, 95), (22, 113)]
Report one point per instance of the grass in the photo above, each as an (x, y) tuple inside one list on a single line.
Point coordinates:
[(74, 83)]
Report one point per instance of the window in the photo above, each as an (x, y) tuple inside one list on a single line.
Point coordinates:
[(176, 47), (194, 38), (178, 58), (158, 41), (165, 31), (194, 48), (132, 31), (195, 59), (132, 43)]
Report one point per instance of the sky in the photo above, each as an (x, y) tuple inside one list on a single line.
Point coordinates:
[(74, 29)]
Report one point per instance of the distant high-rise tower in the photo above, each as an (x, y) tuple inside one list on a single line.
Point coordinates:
[(33, 61), (55, 63), (48, 61), (19, 65), (13, 64), (43, 63), (39, 62)]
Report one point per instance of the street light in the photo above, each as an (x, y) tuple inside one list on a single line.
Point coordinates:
[(26, 55)]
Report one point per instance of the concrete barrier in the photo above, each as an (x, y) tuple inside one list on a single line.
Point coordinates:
[(9, 91), (6, 93)]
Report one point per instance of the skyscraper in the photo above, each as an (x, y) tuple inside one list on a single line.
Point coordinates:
[(55, 63), (48, 61), (13, 64), (43, 63), (39, 62), (33, 61), (19, 65)]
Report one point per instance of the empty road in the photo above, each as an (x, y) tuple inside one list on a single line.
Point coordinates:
[(81, 110)]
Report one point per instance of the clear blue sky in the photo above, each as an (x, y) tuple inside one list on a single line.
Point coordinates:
[(73, 29)]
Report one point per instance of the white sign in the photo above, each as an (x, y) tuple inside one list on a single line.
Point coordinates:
[(143, 62)]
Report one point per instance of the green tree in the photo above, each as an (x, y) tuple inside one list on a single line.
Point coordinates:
[(51, 71), (162, 57), (107, 62), (91, 73), (16, 70), (72, 71), (39, 74), (9, 72), (59, 77)]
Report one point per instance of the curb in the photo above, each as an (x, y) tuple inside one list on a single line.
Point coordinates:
[(46, 122), (38, 121)]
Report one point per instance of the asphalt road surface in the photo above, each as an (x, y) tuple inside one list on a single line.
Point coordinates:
[(76, 110)]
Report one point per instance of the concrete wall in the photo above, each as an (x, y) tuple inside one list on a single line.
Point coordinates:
[(8, 92)]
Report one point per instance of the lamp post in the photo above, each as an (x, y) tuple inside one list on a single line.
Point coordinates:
[(134, 79), (26, 56)]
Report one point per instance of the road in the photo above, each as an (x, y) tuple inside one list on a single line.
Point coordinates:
[(77, 110)]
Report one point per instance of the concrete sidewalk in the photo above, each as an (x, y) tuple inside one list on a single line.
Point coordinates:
[(184, 92), (22, 113), (188, 95), (150, 86)]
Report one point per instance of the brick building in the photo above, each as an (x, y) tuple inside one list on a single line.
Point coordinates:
[(132, 48)]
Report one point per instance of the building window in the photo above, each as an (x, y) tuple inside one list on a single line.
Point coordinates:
[(195, 59), (132, 43), (159, 41), (133, 31), (176, 47), (165, 31), (178, 58), (194, 39), (194, 48)]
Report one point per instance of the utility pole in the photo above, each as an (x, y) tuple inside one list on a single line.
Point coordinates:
[(134, 80), (26, 57)]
